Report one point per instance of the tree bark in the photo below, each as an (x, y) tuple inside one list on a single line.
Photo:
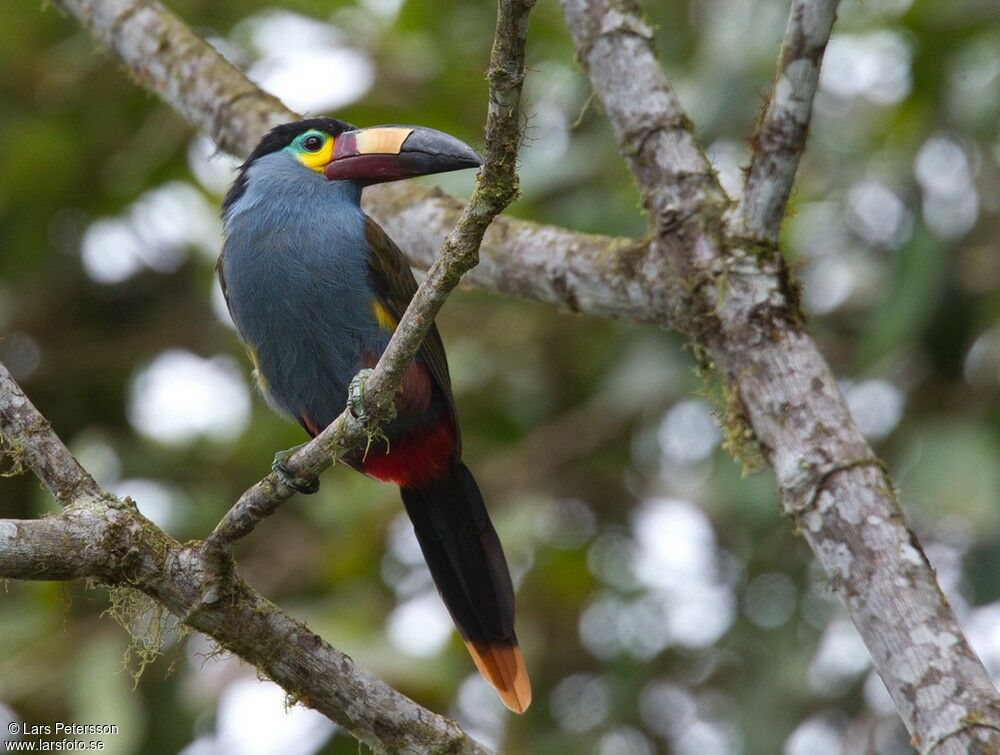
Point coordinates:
[(744, 318), (781, 136)]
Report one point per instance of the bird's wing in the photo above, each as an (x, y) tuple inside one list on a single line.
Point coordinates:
[(394, 286), (222, 281)]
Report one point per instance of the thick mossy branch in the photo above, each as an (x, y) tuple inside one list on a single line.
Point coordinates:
[(779, 400), (149, 573)]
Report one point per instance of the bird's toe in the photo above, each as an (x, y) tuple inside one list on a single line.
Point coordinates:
[(356, 394), (299, 484)]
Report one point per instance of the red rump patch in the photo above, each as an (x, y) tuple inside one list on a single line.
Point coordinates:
[(425, 455)]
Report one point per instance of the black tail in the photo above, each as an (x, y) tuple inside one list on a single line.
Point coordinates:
[(467, 562)]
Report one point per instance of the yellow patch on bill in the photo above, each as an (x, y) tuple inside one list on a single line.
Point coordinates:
[(381, 140), (385, 320)]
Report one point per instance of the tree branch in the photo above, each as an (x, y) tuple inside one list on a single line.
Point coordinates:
[(26, 438), (99, 536), (781, 135), (743, 317), (54, 547), (600, 275)]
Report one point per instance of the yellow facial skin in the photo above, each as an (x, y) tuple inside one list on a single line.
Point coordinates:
[(317, 160), (314, 159)]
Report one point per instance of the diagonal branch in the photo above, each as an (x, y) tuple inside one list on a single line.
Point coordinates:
[(99, 536), (783, 400), (781, 135), (654, 134), (27, 439), (609, 277), (496, 187)]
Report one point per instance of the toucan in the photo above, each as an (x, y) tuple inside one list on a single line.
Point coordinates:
[(316, 288)]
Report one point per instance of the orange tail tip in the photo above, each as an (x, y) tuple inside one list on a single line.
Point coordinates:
[(503, 667)]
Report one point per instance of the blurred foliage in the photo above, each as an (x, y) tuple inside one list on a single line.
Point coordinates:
[(664, 604)]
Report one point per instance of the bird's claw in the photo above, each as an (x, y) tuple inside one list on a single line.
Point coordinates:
[(356, 395), (299, 484)]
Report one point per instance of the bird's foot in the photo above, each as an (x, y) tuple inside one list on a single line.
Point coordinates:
[(356, 405), (356, 396), (299, 484)]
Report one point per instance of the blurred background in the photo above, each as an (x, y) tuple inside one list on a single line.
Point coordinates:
[(664, 604)]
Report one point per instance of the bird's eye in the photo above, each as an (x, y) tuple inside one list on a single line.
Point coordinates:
[(313, 143)]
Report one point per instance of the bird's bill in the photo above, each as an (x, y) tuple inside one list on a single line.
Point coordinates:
[(390, 153)]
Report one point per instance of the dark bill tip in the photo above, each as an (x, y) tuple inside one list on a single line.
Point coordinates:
[(442, 149)]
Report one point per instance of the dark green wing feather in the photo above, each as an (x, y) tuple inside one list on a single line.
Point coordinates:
[(394, 286)]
